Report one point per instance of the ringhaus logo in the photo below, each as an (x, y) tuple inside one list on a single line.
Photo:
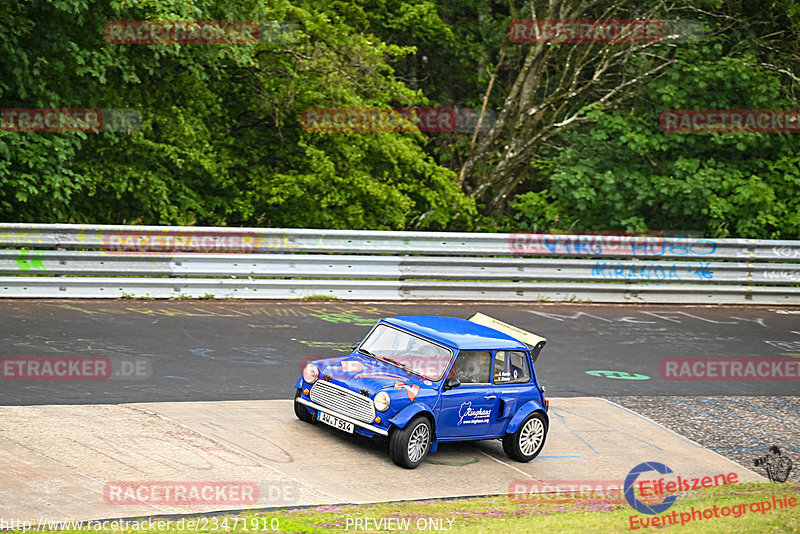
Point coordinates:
[(467, 415)]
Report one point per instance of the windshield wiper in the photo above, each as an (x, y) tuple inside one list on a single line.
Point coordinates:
[(384, 358), (398, 364)]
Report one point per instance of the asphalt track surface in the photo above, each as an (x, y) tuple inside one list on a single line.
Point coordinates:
[(194, 350), (57, 457)]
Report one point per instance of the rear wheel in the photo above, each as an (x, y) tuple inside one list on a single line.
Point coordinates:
[(408, 446), (300, 410), (527, 442)]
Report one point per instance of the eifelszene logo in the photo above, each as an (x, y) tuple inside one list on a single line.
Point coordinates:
[(654, 488), (635, 503)]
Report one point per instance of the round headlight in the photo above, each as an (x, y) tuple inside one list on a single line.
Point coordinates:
[(310, 373), (382, 401)]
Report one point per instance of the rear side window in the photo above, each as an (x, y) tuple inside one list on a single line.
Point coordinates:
[(511, 367)]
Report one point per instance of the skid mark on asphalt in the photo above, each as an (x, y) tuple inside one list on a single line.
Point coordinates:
[(238, 450), (288, 457), (518, 470), (130, 445), (52, 489)]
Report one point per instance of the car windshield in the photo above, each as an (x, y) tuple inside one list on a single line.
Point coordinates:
[(407, 351)]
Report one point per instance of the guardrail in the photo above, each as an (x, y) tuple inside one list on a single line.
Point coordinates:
[(77, 261)]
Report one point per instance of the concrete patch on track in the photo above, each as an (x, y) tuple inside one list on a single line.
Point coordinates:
[(126, 447), (62, 456)]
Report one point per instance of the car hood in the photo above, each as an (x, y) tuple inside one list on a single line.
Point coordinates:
[(359, 372)]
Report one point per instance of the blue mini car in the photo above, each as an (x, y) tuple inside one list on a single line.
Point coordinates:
[(421, 380)]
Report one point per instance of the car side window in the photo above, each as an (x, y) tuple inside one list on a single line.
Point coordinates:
[(511, 367), (473, 367)]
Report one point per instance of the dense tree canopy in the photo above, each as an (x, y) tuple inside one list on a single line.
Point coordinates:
[(576, 143)]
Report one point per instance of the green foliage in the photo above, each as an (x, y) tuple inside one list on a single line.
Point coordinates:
[(623, 172), (221, 140)]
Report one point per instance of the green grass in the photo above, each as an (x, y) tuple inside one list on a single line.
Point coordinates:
[(599, 512)]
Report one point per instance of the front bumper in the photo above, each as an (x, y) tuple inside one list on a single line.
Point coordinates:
[(316, 406)]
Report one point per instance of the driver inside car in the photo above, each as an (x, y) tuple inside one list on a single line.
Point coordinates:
[(472, 367)]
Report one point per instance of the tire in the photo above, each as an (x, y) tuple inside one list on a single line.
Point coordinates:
[(409, 446), (300, 410), (527, 442)]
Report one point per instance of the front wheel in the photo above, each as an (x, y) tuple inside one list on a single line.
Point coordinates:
[(527, 442), (408, 446), (300, 410)]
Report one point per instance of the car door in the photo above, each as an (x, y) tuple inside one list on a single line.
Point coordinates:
[(512, 383), (469, 410)]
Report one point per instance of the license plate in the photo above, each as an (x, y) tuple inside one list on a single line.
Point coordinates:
[(335, 422)]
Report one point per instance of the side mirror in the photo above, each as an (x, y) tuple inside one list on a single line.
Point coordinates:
[(451, 383), (354, 347)]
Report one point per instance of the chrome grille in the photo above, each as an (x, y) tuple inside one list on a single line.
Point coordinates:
[(343, 400)]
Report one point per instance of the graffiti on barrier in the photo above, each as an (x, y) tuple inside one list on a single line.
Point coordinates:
[(608, 245), (30, 259), (702, 271), (787, 252), (19, 238), (651, 271), (793, 276)]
